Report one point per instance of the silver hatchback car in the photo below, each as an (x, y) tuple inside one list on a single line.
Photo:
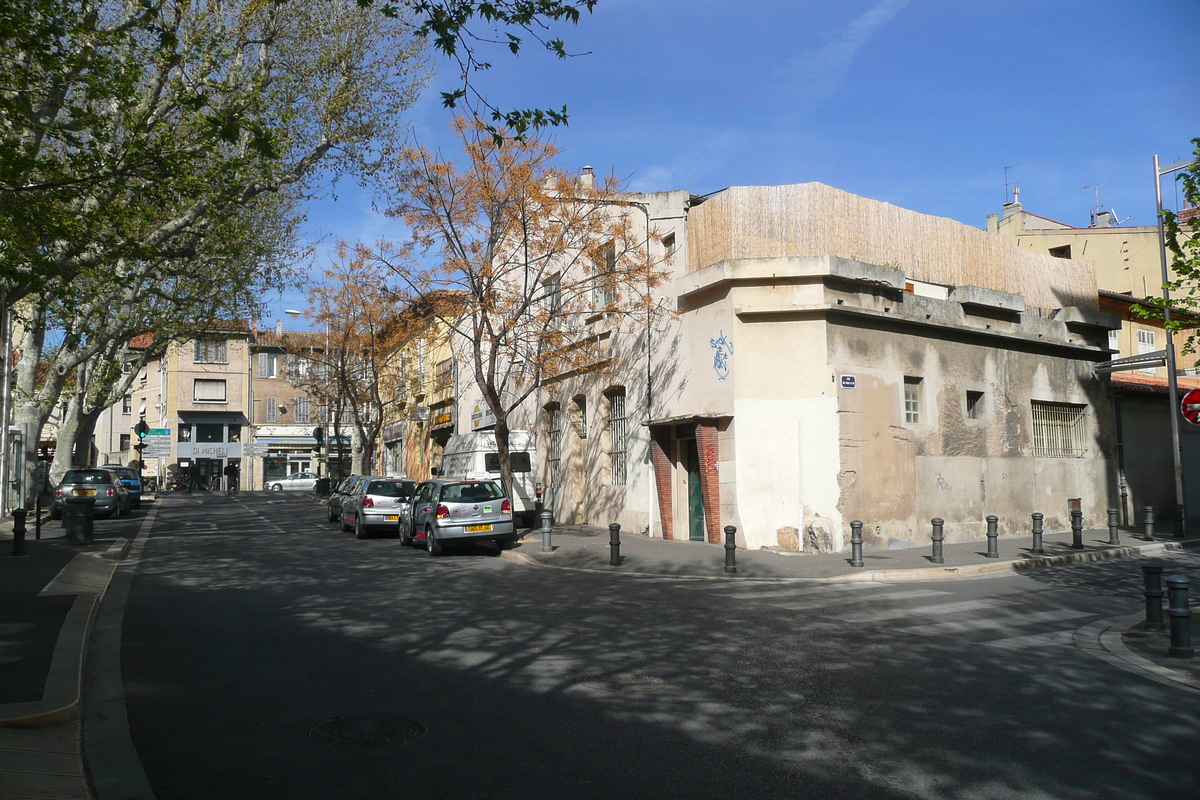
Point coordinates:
[(374, 504), (448, 511)]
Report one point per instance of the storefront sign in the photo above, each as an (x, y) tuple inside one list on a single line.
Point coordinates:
[(444, 419), (210, 450), (482, 418)]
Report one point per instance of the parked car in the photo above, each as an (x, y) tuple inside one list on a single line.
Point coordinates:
[(112, 498), (299, 482), (452, 511), (374, 504), (334, 503), (131, 479), (474, 455)]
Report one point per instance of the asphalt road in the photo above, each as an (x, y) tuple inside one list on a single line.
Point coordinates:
[(251, 622)]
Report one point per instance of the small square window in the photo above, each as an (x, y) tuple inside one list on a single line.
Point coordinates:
[(974, 405)]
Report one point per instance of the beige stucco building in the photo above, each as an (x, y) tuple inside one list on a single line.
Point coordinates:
[(820, 357)]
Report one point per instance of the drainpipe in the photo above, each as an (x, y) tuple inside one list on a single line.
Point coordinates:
[(5, 398)]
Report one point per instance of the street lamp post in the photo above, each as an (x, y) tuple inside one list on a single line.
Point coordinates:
[(1172, 381)]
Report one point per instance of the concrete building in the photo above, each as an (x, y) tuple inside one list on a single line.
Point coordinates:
[(820, 357)]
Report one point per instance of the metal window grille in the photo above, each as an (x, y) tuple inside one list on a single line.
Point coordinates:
[(1059, 430), (912, 400), (272, 409), (617, 437), (553, 441)]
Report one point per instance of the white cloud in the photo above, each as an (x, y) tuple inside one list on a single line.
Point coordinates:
[(820, 73)]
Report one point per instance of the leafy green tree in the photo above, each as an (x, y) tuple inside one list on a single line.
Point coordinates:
[(1183, 247)]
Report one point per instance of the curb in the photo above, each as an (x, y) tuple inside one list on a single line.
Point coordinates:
[(86, 576), (894, 575)]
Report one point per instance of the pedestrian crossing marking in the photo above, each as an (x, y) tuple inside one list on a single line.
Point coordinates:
[(885, 614), (752, 593), (1050, 639), (914, 593)]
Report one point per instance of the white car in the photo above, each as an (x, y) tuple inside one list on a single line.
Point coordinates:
[(299, 482)]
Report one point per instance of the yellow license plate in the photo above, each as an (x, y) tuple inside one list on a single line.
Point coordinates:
[(477, 528), (392, 517), (85, 492)]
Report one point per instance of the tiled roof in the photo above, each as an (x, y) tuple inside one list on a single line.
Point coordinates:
[(1137, 381)]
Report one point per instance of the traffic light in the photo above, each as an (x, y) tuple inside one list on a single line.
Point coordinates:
[(319, 435), (141, 429)]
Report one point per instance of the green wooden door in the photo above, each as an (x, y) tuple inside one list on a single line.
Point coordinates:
[(695, 494)]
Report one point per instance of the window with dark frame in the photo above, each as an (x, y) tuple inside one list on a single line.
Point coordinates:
[(125, 439), (127, 404)]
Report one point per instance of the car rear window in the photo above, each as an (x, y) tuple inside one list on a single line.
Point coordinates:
[(391, 488), (472, 492), (86, 476)]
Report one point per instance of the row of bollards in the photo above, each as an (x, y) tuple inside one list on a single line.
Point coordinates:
[(1177, 608), (614, 543)]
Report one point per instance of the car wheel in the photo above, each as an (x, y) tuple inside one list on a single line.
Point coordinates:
[(277, 487), (406, 539), (431, 543), (332, 514), (507, 543), (359, 531), (345, 527)]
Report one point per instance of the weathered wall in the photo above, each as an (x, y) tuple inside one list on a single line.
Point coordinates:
[(813, 219)]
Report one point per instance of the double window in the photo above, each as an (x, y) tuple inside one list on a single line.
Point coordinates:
[(210, 351), (268, 365)]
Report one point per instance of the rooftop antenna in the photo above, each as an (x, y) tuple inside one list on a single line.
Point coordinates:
[(1007, 193), (1095, 187)]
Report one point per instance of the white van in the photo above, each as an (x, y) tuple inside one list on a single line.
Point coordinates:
[(474, 455)]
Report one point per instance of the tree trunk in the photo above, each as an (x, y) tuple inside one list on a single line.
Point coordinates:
[(64, 457)]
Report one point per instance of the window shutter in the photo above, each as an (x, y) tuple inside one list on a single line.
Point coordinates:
[(272, 410), (262, 365)]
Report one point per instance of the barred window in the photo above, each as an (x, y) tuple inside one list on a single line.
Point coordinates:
[(1059, 430), (553, 441), (617, 439), (208, 391), (300, 407), (210, 351)]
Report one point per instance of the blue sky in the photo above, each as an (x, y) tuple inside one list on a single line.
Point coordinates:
[(920, 103)]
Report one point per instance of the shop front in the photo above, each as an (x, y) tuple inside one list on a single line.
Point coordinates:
[(204, 445)]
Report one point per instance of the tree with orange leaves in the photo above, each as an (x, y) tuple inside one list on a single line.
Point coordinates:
[(543, 264)]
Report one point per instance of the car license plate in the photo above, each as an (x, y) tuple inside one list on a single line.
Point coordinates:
[(85, 492), (478, 528), (392, 517)]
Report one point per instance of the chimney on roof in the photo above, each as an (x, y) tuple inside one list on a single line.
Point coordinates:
[(587, 178), (279, 327), (1015, 206)]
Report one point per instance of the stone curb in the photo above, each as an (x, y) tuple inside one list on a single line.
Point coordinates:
[(1111, 641), (893, 575), (86, 576)]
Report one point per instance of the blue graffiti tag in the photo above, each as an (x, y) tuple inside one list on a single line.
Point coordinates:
[(722, 352)]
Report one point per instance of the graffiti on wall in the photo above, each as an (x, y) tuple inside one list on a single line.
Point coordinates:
[(722, 353)]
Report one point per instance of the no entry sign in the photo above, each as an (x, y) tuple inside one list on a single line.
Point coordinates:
[(1191, 406)]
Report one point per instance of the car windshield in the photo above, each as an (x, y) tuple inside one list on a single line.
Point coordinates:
[(472, 492), (85, 476), (391, 488)]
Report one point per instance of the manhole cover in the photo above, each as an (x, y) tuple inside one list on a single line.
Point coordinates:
[(368, 730), (623, 682)]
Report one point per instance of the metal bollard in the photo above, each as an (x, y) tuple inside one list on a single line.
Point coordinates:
[(18, 548), (1152, 577), (1076, 529), (1113, 521), (938, 537), (856, 559), (993, 550), (614, 545), (1181, 617), (1148, 523), (547, 547), (1180, 522), (730, 548), (1037, 548), (37, 518)]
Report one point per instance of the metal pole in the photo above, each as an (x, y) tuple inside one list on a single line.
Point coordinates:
[(1181, 617), (5, 398), (1148, 523), (730, 549), (18, 548), (547, 545), (614, 545), (1172, 381), (1152, 579), (993, 550), (856, 542), (1037, 548), (938, 536), (1076, 529), (1113, 537)]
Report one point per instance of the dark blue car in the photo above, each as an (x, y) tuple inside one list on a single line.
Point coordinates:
[(130, 480)]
